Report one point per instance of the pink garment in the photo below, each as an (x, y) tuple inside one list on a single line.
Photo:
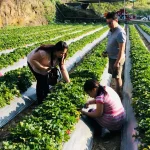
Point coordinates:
[(113, 111), (1, 74)]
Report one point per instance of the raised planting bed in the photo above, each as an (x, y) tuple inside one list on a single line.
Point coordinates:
[(140, 77), (145, 28), (144, 33)]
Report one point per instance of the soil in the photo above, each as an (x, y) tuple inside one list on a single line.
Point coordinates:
[(110, 143)]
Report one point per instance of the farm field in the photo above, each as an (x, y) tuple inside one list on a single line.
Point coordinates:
[(50, 124)]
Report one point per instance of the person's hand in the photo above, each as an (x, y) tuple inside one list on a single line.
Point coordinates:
[(81, 111), (104, 54), (116, 65), (86, 105), (47, 69)]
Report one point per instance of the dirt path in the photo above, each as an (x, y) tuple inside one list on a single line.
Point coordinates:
[(110, 143)]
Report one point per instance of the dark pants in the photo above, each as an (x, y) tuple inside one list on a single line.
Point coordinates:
[(42, 87), (97, 128)]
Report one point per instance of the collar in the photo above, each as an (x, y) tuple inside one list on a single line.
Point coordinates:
[(114, 29)]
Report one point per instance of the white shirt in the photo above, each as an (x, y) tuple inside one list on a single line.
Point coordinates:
[(45, 61)]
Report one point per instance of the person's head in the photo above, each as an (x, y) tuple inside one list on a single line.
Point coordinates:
[(60, 49), (112, 20), (93, 88)]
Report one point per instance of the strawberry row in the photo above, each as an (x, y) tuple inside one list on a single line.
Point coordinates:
[(31, 29), (14, 41), (140, 78), (145, 29)]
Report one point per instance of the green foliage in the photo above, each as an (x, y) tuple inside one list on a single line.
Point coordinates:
[(50, 10), (13, 83), (140, 77), (22, 36), (141, 7), (105, 7), (142, 11), (145, 29)]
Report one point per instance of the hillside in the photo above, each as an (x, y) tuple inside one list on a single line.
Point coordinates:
[(41, 12), (26, 12)]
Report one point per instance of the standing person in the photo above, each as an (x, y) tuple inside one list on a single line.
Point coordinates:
[(115, 49), (109, 112), (40, 62)]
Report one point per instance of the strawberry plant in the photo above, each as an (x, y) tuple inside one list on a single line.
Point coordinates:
[(14, 83)]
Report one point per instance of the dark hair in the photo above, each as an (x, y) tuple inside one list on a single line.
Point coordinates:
[(111, 15), (51, 49), (91, 84), (60, 46)]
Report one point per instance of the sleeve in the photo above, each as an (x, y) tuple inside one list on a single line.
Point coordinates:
[(108, 34), (121, 38), (100, 99), (43, 54)]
